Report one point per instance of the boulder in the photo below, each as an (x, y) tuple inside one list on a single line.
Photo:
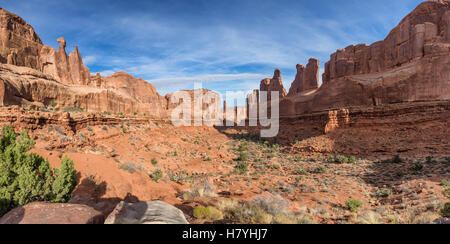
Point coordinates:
[(53, 213), (274, 84), (154, 212)]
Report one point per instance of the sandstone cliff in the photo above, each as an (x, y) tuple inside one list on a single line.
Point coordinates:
[(34, 74), (28, 87), (307, 78), (21, 46)]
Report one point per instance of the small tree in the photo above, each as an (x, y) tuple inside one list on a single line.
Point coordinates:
[(27, 177)]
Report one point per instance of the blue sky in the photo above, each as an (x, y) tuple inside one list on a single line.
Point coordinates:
[(228, 45)]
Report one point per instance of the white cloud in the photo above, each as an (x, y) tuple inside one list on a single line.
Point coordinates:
[(208, 78)]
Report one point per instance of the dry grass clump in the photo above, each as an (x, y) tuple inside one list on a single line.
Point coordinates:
[(200, 189), (412, 216), (208, 213)]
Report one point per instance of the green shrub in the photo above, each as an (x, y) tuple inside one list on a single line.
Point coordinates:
[(341, 159), (418, 166), (27, 177), (446, 210), (397, 159), (352, 159), (53, 104), (444, 183), (65, 181), (242, 157), (446, 193), (353, 204), (156, 175), (320, 170), (154, 161), (208, 213), (241, 168)]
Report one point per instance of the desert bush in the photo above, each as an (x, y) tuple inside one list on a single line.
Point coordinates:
[(353, 204), (446, 210), (154, 161), (367, 218), (446, 193), (418, 166), (241, 168), (243, 147), (65, 181), (397, 159), (412, 216), (352, 160), (341, 159), (320, 170), (128, 166), (272, 204), (262, 210), (444, 183), (242, 157), (200, 189), (27, 177), (53, 104)]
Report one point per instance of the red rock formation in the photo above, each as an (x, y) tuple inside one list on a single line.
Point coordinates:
[(411, 64), (53, 213), (63, 78), (274, 84), (68, 69), (19, 44), (306, 78), (28, 87), (426, 25)]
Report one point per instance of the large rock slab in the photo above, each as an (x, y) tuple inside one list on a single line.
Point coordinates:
[(155, 212), (53, 213)]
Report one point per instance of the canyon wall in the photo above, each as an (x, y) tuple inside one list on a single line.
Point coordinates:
[(33, 74)]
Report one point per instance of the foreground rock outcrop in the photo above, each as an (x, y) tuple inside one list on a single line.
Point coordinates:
[(155, 212), (53, 213), (411, 64)]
